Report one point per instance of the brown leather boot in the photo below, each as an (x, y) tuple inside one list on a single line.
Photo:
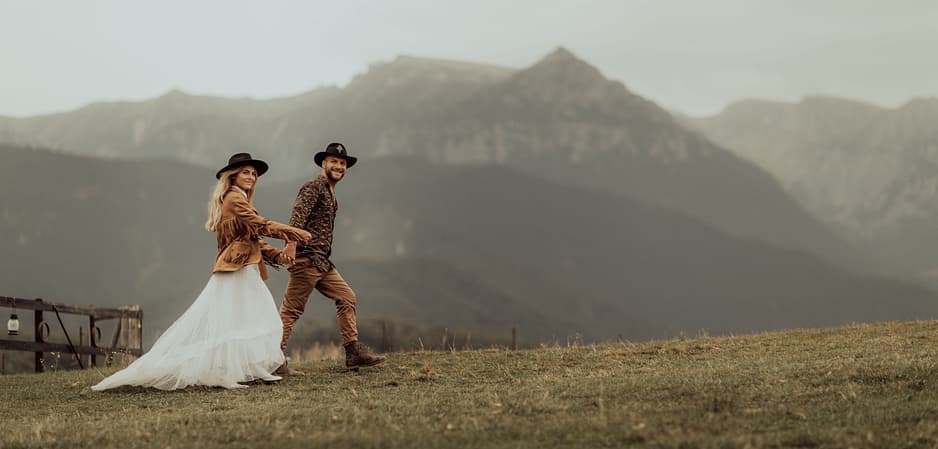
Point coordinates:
[(358, 356), (285, 370)]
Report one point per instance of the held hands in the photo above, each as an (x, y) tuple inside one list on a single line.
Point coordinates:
[(288, 255)]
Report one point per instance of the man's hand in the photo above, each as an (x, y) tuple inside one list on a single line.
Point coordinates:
[(289, 253)]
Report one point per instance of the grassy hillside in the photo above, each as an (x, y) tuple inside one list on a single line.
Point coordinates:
[(855, 386)]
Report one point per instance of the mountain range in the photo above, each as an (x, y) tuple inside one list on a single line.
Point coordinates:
[(870, 173), (559, 119), (549, 198), (475, 249)]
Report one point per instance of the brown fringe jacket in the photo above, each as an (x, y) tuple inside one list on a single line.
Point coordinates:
[(239, 234)]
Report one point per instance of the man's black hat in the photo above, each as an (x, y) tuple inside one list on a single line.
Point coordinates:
[(338, 150)]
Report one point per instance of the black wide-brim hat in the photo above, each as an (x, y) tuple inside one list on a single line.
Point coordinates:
[(338, 150), (242, 159)]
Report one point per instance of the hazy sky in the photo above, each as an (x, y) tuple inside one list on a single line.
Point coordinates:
[(691, 55)]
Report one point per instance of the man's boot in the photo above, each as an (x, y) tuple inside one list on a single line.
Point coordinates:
[(358, 356), (285, 370)]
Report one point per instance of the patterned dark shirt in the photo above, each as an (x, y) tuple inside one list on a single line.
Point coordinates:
[(314, 211)]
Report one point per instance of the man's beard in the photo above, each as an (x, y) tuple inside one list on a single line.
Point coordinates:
[(332, 176)]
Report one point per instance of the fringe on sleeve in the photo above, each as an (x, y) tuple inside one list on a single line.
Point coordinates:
[(230, 229), (281, 231)]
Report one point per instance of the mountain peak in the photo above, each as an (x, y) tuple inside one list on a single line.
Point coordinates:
[(173, 98), (561, 53), (562, 68), (561, 57), (175, 93)]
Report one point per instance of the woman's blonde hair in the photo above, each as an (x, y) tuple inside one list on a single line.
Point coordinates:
[(218, 195)]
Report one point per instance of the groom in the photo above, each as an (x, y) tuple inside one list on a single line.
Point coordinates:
[(315, 211)]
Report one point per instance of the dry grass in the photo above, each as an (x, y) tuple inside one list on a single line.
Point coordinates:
[(317, 352), (870, 386)]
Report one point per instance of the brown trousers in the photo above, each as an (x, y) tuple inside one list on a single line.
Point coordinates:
[(303, 279)]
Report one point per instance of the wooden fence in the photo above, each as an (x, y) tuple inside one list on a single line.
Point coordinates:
[(126, 339)]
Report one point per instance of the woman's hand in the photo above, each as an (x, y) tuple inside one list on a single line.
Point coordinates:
[(285, 259), (289, 253)]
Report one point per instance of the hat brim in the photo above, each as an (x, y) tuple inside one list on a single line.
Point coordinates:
[(258, 165), (320, 156)]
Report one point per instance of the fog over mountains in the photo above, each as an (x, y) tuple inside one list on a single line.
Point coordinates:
[(559, 119), (870, 173), (548, 197)]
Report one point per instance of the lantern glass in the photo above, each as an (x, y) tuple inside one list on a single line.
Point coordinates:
[(13, 325)]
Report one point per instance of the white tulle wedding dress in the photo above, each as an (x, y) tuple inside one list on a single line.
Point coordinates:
[(230, 334)]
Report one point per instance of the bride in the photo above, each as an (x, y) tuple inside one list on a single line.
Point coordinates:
[(232, 332)]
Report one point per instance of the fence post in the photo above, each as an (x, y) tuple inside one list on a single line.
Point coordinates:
[(514, 338), (384, 336), (94, 344), (135, 330), (37, 336), (81, 342)]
